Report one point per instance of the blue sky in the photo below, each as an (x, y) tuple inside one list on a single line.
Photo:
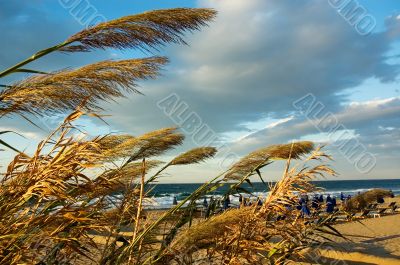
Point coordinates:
[(241, 76)]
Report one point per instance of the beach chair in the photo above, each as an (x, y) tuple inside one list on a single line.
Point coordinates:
[(381, 211), (372, 206), (344, 216), (392, 207), (363, 214)]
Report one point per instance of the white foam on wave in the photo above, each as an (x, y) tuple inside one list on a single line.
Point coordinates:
[(165, 202)]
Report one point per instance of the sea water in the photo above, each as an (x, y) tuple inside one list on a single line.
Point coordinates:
[(162, 195)]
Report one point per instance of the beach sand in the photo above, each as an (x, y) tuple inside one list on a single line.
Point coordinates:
[(373, 241), (368, 241)]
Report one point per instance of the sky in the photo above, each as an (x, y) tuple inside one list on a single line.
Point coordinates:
[(264, 72)]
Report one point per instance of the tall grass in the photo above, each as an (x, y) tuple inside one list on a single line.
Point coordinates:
[(58, 202)]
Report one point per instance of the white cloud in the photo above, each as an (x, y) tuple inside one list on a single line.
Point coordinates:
[(242, 74), (279, 122)]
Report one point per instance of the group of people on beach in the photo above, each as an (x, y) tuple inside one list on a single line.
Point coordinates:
[(317, 203), (226, 203), (304, 204)]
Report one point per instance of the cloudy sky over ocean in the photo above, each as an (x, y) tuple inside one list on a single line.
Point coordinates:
[(264, 72)]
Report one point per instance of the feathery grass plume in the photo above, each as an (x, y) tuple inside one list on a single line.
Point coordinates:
[(65, 90), (119, 178), (144, 31), (255, 235), (261, 157), (156, 143), (38, 202), (202, 235), (194, 156), (52, 203), (115, 147), (286, 151), (147, 145)]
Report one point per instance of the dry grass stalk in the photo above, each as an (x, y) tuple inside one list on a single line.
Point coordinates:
[(66, 89), (54, 201), (195, 155), (252, 235), (264, 156), (144, 31)]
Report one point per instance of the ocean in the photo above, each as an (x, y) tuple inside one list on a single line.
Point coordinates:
[(162, 194)]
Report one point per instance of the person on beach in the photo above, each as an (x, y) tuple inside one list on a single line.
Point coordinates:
[(211, 207), (328, 198), (329, 206), (175, 201), (315, 202), (227, 201), (299, 205), (306, 198), (342, 197), (259, 201), (205, 203), (347, 201), (321, 198), (240, 200), (305, 211), (334, 202)]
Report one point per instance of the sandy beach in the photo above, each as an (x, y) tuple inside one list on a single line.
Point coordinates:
[(368, 241), (373, 240)]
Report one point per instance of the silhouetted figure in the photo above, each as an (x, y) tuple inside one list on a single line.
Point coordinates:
[(315, 202), (306, 198), (321, 198), (304, 209), (205, 203), (342, 197), (211, 207), (334, 202), (175, 201), (329, 198), (301, 201), (259, 202), (227, 201), (329, 207)]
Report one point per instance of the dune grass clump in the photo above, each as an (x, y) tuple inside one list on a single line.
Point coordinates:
[(81, 199), (363, 200), (270, 233)]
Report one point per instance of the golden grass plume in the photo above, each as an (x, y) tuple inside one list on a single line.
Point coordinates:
[(263, 156), (66, 90), (194, 156), (144, 31)]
